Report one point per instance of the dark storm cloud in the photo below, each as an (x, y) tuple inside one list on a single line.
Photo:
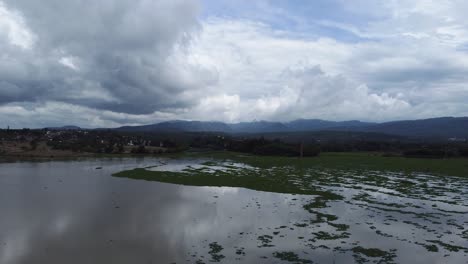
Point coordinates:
[(123, 56)]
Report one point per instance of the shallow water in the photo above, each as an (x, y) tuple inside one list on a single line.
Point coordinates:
[(72, 212)]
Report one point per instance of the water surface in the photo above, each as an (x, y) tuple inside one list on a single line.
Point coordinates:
[(76, 212)]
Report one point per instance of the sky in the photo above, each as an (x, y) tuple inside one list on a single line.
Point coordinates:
[(110, 63)]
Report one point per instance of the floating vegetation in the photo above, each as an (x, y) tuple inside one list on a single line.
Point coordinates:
[(290, 257), (464, 234), (265, 241), (278, 180), (339, 227), (215, 249), (240, 251), (382, 256), (429, 247), (448, 247), (327, 236), (395, 204)]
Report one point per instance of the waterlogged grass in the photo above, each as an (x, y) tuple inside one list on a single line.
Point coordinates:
[(354, 161), (415, 194), (290, 257), (340, 161), (449, 247), (215, 250), (265, 241), (273, 179), (327, 236), (383, 256), (283, 174)]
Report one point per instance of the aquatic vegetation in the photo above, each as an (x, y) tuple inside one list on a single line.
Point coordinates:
[(429, 247), (240, 251), (383, 256), (215, 249), (449, 247), (290, 257), (339, 227), (416, 202), (272, 180), (209, 163), (327, 236), (464, 234), (265, 241)]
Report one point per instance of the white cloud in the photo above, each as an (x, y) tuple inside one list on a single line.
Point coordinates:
[(69, 62), (370, 80), (147, 61), (14, 29), (124, 49)]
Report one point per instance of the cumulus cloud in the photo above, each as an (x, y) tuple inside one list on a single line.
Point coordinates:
[(307, 93), (108, 63), (281, 77), (125, 57)]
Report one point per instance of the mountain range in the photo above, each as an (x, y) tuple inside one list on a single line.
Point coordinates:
[(443, 127)]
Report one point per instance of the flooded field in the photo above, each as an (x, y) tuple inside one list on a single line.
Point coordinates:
[(205, 210)]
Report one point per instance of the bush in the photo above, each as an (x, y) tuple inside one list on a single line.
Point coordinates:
[(139, 150), (276, 149), (425, 153)]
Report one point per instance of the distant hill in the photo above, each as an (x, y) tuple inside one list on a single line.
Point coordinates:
[(65, 128), (443, 127), (258, 127), (179, 126), (327, 136), (318, 124), (245, 127)]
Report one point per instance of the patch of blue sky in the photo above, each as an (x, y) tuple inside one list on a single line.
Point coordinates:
[(307, 19)]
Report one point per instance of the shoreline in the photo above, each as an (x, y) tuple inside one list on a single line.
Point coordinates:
[(337, 160)]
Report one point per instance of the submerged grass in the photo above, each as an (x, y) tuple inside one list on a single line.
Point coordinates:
[(249, 179), (355, 161), (273, 179), (287, 175), (363, 173), (290, 257), (382, 255)]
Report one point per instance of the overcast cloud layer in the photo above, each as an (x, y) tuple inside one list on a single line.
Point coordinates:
[(109, 63)]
